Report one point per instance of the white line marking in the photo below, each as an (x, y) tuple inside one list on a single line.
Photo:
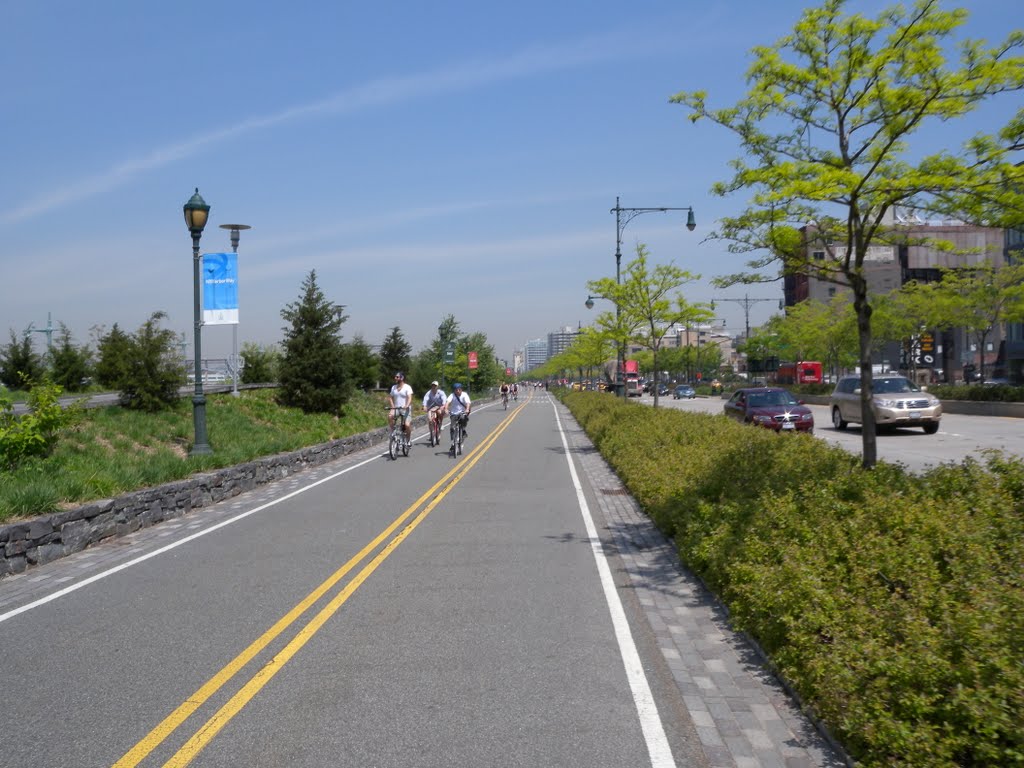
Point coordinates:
[(650, 722), (85, 582)]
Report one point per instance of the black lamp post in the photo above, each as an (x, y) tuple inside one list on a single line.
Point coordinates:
[(196, 214), (620, 224)]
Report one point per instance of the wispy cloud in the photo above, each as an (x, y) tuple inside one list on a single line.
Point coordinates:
[(381, 92)]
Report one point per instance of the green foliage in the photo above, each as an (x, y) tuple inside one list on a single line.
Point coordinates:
[(893, 603), (362, 364), (115, 353), (1001, 393), (71, 365), (152, 371), (19, 364), (261, 363), (312, 372), (33, 433)]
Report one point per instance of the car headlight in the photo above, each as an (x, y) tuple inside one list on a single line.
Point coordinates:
[(762, 419), (807, 417), (888, 403)]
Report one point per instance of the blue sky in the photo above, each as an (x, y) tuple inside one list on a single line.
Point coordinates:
[(424, 159)]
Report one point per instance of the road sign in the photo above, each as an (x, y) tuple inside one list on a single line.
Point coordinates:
[(449, 352), (472, 360)]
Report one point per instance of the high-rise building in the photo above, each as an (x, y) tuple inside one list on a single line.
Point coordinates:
[(536, 351), (560, 340)]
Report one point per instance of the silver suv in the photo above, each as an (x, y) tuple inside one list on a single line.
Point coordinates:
[(898, 402)]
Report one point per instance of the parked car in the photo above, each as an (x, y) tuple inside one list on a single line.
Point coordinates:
[(683, 391), (896, 400), (771, 407)]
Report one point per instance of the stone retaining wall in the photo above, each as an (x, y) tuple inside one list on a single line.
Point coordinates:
[(43, 539)]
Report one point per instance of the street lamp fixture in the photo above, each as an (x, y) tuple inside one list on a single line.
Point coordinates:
[(236, 230), (589, 303), (620, 224), (196, 214)]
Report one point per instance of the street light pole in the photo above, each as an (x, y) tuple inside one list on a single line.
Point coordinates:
[(620, 224), (236, 230), (196, 214), (746, 301)]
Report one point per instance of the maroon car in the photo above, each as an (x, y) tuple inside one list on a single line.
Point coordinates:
[(771, 407)]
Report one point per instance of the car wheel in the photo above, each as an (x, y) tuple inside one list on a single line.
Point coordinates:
[(931, 428), (837, 419)]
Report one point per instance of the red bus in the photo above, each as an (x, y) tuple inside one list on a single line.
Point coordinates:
[(803, 372)]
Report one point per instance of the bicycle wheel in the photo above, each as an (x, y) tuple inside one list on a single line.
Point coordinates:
[(405, 445), (393, 446)]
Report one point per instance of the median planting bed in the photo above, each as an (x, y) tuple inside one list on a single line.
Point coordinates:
[(892, 603)]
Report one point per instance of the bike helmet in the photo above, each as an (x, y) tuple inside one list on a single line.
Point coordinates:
[(399, 375), (456, 385)]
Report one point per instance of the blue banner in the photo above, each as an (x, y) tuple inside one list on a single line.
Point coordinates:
[(220, 288)]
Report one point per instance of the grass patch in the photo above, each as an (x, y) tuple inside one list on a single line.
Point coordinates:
[(115, 451)]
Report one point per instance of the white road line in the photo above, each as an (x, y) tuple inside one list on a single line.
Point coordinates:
[(650, 721), (110, 572)]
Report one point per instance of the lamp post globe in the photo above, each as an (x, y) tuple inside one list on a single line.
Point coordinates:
[(589, 303), (196, 214)]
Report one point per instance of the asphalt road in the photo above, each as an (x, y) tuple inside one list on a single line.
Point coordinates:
[(958, 438), (385, 614)]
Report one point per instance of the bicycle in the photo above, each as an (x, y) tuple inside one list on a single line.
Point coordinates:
[(504, 400), (398, 440), (457, 435), (434, 419)]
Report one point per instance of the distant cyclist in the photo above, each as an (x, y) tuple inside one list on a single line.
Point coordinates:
[(433, 403), (515, 391), (457, 406), (505, 390), (400, 399)]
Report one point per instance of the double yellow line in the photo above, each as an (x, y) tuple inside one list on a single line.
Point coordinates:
[(223, 716)]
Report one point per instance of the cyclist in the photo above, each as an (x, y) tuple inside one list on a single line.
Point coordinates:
[(400, 397), (433, 404), (457, 406), (505, 391), (515, 391)]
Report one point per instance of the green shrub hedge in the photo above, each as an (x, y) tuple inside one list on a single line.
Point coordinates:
[(893, 603)]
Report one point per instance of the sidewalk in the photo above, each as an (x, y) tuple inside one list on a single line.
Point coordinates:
[(743, 716)]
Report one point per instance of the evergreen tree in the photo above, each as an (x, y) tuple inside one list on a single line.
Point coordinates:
[(395, 353), (71, 365), (114, 358), (261, 363), (19, 363), (362, 364), (312, 373), (154, 372)]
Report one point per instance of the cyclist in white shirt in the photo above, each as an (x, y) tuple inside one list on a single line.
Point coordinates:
[(400, 397), (433, 402), (457, 406)]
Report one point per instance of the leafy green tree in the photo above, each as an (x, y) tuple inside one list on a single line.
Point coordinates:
[(36, 432), (977, 299), (362, 364), (154, 369), (487, 374), (825, 130), (114, 361), (19, 363), (649, 304), (591, 349), (71, 366), (261, 363), (312, 374), (395, 353), (448, 333)]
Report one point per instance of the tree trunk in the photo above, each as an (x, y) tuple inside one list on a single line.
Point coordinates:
[(654, 363), (868, 427)]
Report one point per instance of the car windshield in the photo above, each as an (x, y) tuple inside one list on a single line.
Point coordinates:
[(768, 399), (894, 386)]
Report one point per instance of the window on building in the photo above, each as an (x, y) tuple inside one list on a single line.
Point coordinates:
[(832, 291), (818, 255)]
